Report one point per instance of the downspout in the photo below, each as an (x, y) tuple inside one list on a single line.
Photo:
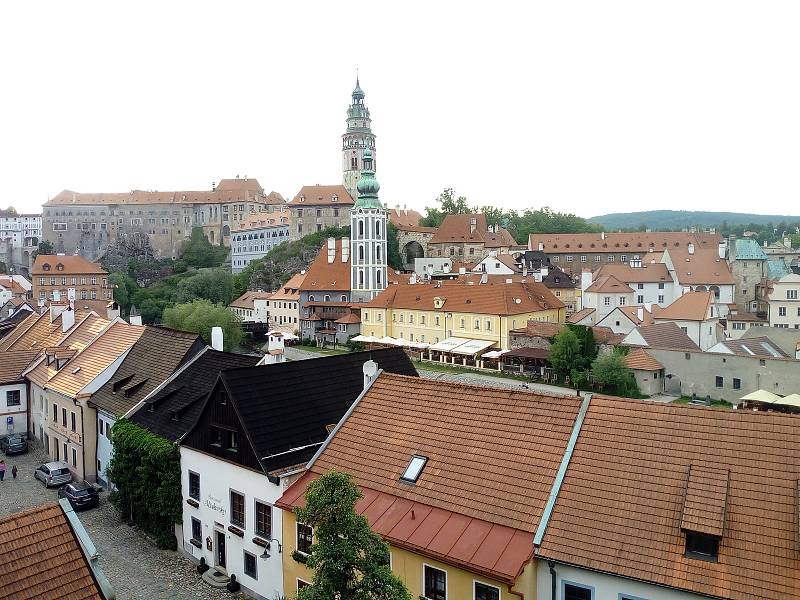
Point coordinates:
[(553, 579)]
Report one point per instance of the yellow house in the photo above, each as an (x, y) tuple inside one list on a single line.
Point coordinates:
[(458, 505), (430, 313)]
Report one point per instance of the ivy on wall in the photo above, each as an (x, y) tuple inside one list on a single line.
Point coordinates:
[(146, 470)]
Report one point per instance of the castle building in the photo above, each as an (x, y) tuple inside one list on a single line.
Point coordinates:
[(355, 141), (367, 236)]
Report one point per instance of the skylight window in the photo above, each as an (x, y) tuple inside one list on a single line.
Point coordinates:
[(414, 469)]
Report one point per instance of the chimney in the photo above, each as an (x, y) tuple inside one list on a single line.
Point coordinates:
[(602, 235), (541, 246), (413, 279), (112, 311), (345, 249), (216, 338), (370, 369), (331, 250), (473, 225), (691, 248), (55, 310), (640, 313), (134, 318), (462, 270), (586, 279), (787, 242), (67, 319), (275, 342)]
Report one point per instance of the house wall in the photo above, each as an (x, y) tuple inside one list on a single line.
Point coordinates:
[(649, 382), (105, 421), (284, 315), (697, 374), (651, 293), (618, 322), (217, 479), (87, 286), (309, 218), (17, 414), (81, 438), (606, 587), (779, 299), (253, 244), (736, 329), (748, 274), (39, 416), (604, 303), (409, 568), (702, 333)]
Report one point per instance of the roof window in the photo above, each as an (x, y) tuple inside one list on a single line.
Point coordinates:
[(414, 468), (704, 508)]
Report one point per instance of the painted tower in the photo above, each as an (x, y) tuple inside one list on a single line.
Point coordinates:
[(355, 140), (367, 237)]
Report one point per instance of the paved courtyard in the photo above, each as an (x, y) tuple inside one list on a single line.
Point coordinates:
[(136, 568)]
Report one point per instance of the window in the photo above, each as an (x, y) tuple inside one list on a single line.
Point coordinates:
[(596, 258), (74, 458), (762, 363), (194, 485), (488, 325), (305, 538), (719, 381), (55, 412), (607, 301), (197, 530), (781, 311), (623, 257), (13, 398), (237, 508), (610, 258), (435, 583), (414, 468), (486, 592), (639, 286), (791, 294), (661, 299), (583, 258), (263, 520), (301, 584), (569, 257), (64, 418), (737, 383), (700, 545), (622, 300), (72, 420), (576, 591), (661, 286), (640, 299), (250, 568)]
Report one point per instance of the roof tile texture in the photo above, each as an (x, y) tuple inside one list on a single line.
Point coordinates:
[(706, 500), (691, 306), (71, 264), (459, 229), (641, 360), (321, 195)]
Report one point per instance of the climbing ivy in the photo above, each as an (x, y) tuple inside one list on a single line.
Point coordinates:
[(146, 470)]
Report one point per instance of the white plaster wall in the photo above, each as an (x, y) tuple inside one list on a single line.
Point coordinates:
[(606, 587), (217, 479), (104, 446), (19, 414), (39, 414)]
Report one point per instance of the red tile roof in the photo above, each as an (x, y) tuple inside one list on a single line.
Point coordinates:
[(608, 284), (692, 306), (47, 264), (641, 360), (322, 195), (403, 218), (580, 315), (458, 229), (647, 273), (328, 276), (629, 242), (14, 362)]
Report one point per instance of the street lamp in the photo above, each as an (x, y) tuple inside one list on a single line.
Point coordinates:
[(266, 553)]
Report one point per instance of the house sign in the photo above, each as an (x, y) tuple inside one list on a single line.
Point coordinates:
[(215, 504)]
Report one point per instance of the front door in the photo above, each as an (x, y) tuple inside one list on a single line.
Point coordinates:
[(220, 549)]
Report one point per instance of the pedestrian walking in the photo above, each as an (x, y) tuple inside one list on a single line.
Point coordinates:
[(2, 469), (14, 472)]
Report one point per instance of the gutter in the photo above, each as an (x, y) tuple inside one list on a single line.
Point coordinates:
[(89, 550), (562, 471)]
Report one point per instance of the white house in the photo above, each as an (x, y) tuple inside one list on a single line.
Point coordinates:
[(494, 264), (604, 294), (696, 313), (14, 390), (784, 302), (624, 319)]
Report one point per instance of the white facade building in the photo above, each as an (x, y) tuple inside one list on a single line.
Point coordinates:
[(784, 302), (368, 221), (254, 241)]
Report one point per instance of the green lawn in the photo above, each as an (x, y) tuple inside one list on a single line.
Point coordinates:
[(714, 403), (322, 350)]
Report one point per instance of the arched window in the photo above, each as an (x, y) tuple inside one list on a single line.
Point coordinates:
[(360, 228), (311, 298), (378, 252), (378, 229), (360, 253), (361, 280), (379, 278)]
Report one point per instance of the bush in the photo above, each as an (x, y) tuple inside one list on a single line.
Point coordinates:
[(200, 316)]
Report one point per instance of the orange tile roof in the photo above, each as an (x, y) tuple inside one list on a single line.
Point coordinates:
[(13, 286), (641, 360), (602, 335), (456, 229), (704, 267), (647, 273), (632, 312), (240, 184), (324, 276), (249, 191), (70, 263), (349, 318), (666, 335), (632, 242), (515, 452), (580, 315), (608, 284), (14, 362), (623, 499), (321, 195), (706, 499), (402, 218), (37, 331), (692, 306), (104, 350), (41, 540), (246, 299), (290, 290), (490, 299)]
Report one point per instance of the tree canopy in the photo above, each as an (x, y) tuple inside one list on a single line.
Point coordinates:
[(44, 248), (215, 285), (610, 372), (565, 352), (199, 316), (199, 252), (349, 560)]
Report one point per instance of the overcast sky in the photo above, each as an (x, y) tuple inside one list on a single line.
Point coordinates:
[(588, 107)]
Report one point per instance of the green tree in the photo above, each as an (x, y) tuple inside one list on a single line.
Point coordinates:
[(565, 352), (199, 252), (588, 344), (449, 204), (44, 248), (10, 211), (199, 316), (349, 560), (393, 258), (610, 372), (215, 285), (125, 289)]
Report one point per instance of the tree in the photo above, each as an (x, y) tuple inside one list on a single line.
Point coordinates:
[(565, 352), (448, 205), (349, 560), (393, 258), (588, 344), (610, 372), (215, 285), (10, 211), (199, 252), (200, 316), (44, 248)]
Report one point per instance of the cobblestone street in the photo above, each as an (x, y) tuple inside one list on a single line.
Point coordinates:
[(136, 568)]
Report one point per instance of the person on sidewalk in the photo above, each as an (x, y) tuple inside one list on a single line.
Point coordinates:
[(2, 469), (14, 472)]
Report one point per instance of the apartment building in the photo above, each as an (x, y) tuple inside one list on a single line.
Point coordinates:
[(20, 234), (469, 237), (62, 277), (254, 237), (784, 303)]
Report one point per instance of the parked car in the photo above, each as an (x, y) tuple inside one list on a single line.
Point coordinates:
[(80, 495), (53, 473), (15, 443)]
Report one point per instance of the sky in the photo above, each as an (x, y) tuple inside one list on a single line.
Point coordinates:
[(585, 107)]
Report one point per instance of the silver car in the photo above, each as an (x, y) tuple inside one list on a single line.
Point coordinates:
[(53, 473)]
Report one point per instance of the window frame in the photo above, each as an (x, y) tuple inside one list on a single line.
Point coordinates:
[(565, 583), (699, 554), (10, 402), (425, 567), (245, 556), (232, 519), (297, 526), (476, 582), (256, 530), (189, 491), (200, 524)]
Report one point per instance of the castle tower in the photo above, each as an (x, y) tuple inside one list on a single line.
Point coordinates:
[(367, 237), (355, 140)]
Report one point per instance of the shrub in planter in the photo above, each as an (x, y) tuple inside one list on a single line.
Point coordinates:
[(299, 557), (202, 567), (233, 585)]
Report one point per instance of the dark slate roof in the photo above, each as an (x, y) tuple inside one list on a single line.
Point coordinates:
[(186, 392), (151, 360), (289, 405)]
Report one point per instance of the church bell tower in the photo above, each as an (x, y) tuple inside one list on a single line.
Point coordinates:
[(367, 237), (356, 139)]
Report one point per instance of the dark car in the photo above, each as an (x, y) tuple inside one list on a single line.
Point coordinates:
[(80, 495), (14, 444)]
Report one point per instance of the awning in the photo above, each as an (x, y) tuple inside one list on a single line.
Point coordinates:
[(494, 353), (447, 345), (761, 396), (386, 340), (365, 339), (472, 347), (790, 400)]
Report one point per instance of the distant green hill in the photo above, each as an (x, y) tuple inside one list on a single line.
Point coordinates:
[(677, 219)]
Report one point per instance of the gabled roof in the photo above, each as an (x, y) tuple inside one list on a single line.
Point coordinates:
[(633, 312), (475, 439), (629, 242), (787, 339), (691, 306), (608, 284), (153, 358), (38, 331), (13, 363), (322, 195), (42, 540), (632, 483), (661, 335), (641, 360), (459, 229), (246, 300), (349, 319), (762, 347), (580, 315), (11, 285), (777, 268), (47, 265), (286, 408), (649, 272), (602, 335), (703, 267), (184, 392), (404, 218), (327, 276), (490, 299), (240, 184)]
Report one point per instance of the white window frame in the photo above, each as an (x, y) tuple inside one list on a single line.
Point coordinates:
[(474, 581), (446, 581)]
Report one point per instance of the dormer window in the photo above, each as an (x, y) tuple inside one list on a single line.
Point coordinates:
[(45, 267), (702, 546), (704, 508), (414, 468), (302, 198), (59, 267), (334, 198)]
